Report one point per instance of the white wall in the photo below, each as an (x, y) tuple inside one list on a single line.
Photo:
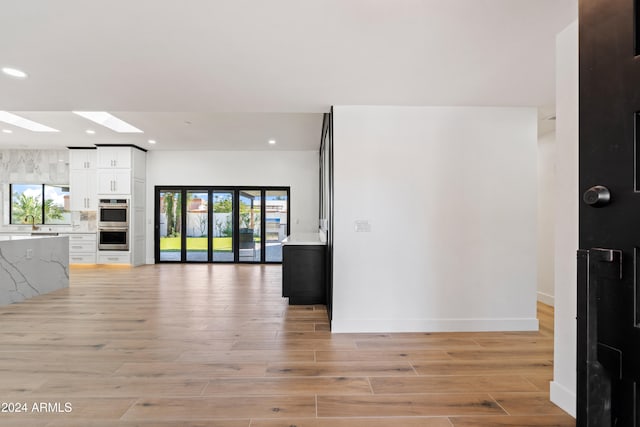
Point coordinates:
[(297, 169), (563, 387), (546, 216), (450, 194)]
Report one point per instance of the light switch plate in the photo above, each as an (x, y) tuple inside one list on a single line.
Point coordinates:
[(362, 226)]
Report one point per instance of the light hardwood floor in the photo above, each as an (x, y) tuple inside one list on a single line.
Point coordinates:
[(216, 345)]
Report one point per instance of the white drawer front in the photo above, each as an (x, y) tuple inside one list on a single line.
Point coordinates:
[(82, 237), (82, 246), (82, 259), (114, 258)]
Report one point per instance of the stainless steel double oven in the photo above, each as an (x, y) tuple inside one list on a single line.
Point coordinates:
[(113, 225)]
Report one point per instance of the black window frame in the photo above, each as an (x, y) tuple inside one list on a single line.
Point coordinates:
[(42, 205)]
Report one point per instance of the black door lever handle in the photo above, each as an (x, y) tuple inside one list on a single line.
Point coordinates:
[(597, 196)]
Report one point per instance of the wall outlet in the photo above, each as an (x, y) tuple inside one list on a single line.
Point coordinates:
[(29, 254)]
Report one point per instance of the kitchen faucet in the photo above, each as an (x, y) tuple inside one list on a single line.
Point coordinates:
[(33, 222)]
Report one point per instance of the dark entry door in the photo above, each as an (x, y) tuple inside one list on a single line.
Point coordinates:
[(608, 391)]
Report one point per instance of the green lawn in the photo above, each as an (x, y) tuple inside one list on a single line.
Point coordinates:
[(220, 244)]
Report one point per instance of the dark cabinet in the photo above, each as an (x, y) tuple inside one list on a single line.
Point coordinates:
[(303, 274)]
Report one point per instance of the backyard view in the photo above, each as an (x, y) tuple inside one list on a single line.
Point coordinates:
[(207, 223), (197, 226), (27, 206)]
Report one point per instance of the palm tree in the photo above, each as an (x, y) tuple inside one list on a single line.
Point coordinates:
[(171, 219), (24, 206), (52, 211)]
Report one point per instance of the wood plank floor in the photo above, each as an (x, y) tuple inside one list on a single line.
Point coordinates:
[(216, 345)]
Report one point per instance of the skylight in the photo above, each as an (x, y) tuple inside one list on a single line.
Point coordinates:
[(14, 72), (21, 122), (107, 120)]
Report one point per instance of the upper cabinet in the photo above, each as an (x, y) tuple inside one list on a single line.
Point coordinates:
[(82, 179), (112, 182), (83, 190), (82, 159), (118, 168), (114, 157)]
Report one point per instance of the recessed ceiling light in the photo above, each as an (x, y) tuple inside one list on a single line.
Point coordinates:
[(21, 122), (14, 72), (272, 141), (107, 120), (7, 131), (90, 131), (152, 141)]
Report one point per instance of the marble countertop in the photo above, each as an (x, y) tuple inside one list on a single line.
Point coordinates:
[(6, 237), (28, 233), (304, 239)]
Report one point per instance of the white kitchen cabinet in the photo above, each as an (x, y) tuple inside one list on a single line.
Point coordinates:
[(114, 182), (121, 173), (82, 248), (83, 194), (114, 157), (82, 159)]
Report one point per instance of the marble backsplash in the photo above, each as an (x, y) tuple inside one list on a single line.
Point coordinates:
[(34, 166), (38, 167)]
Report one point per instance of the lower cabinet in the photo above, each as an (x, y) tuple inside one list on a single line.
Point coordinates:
[(114, 257), (82, 248), (303, 274)]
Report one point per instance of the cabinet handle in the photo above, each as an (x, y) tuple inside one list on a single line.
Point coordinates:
[(76, 247)]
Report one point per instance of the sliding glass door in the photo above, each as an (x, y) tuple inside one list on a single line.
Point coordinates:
[(221, 224), (250, 226), (276, 223), (169, 225), (197, 225), (223, 234)]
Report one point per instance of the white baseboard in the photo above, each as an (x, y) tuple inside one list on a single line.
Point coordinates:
[(563, 397), (432, 325), (546, 299)]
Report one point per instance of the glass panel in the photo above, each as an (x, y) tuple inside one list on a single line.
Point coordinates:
[(276, 208), (223, 226), (56, 204), (249, 219), (26, 204), (197, 226), (170, 225)]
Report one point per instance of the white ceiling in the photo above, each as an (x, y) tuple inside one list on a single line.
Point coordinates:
[(223, 64)]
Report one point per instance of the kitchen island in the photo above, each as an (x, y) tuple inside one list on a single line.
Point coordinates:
[(32, 265)]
